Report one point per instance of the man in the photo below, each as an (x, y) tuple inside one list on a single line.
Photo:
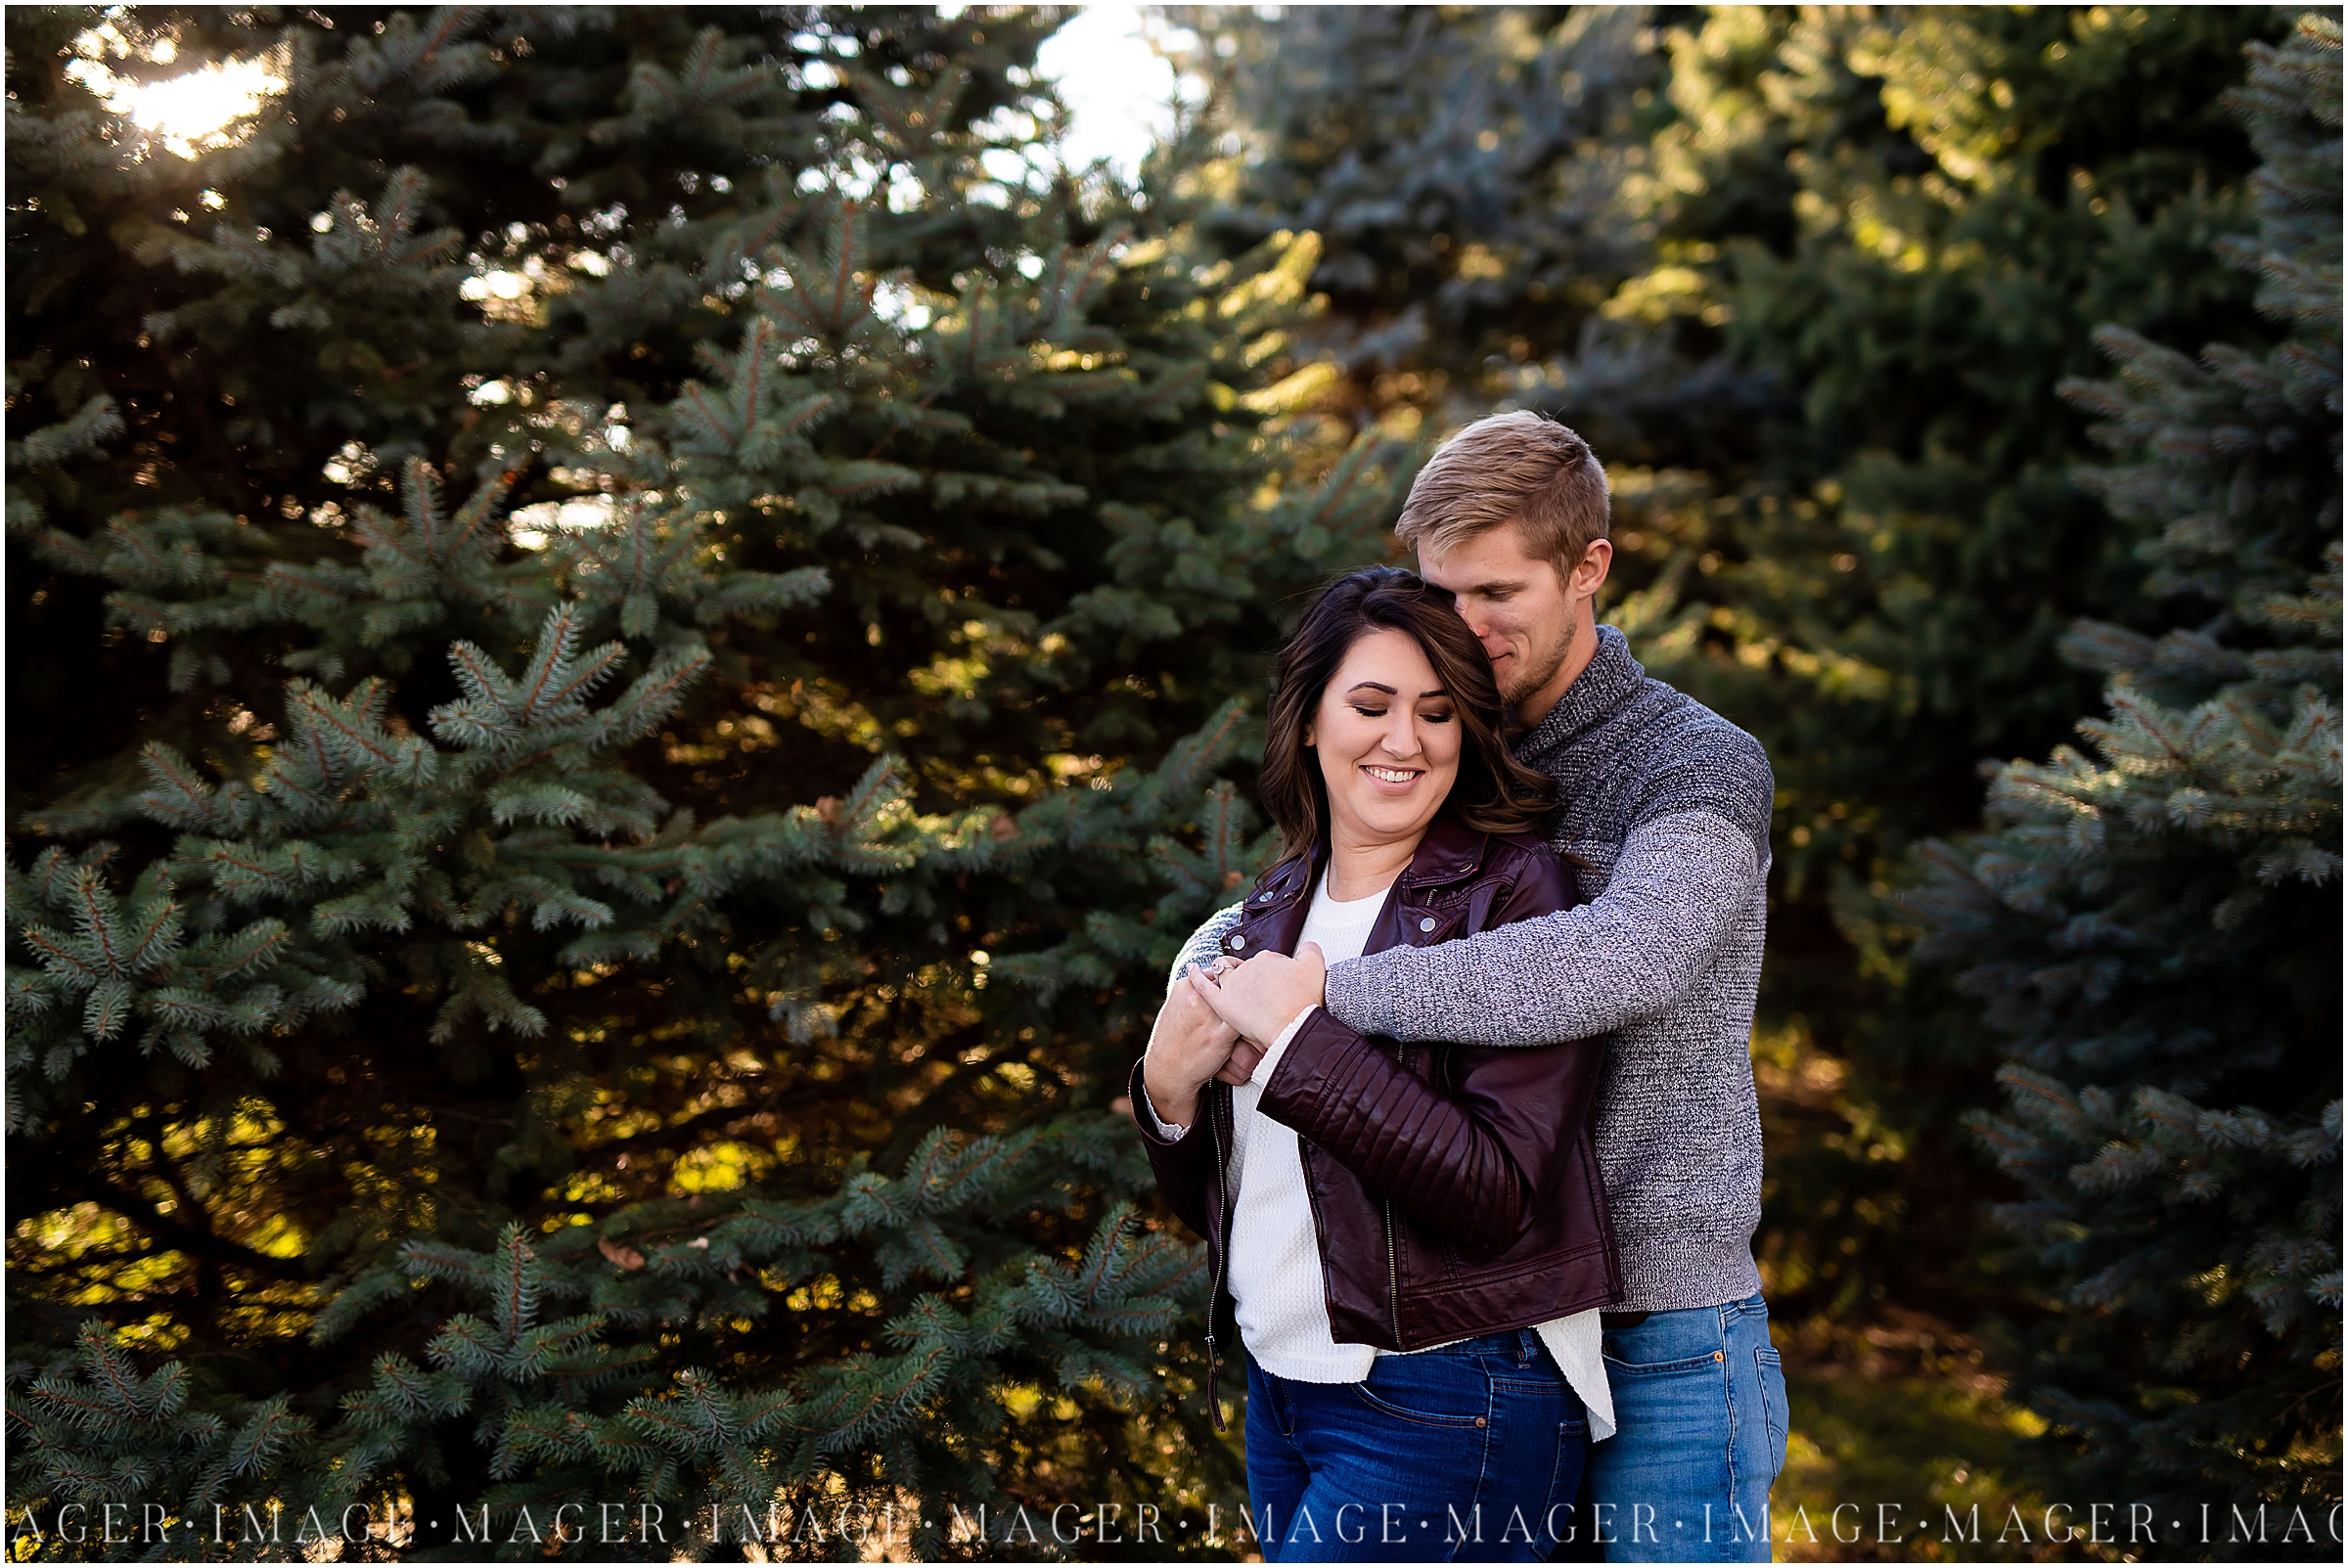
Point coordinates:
[(1669, 805)]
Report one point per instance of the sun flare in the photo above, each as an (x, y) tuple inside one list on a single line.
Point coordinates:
[(189, 112)]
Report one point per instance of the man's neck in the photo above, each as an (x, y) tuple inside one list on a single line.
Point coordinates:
[(1531, 710)]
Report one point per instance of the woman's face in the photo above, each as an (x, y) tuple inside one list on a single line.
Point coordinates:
[(1388, 744)]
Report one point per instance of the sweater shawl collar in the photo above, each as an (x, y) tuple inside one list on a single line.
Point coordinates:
[(1606, 684)]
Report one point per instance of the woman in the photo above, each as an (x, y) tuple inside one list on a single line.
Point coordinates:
[(1410, 1242)]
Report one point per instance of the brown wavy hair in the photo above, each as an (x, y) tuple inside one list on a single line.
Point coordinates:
[(1493, 792)]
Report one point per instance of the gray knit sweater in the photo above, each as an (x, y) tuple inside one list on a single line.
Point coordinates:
[(1670, 803)]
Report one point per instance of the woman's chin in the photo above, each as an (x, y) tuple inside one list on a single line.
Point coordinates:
[(1383, 820)]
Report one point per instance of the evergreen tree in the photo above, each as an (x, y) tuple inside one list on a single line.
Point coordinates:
[(1466, 169), (1811, 300), (622, 627), (2155, 919), (1906, 222)]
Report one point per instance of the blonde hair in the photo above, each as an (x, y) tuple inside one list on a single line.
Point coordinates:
[(1519, 467)]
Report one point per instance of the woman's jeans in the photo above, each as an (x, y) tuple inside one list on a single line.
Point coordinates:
[(1457, 1454), (1699, 1401)]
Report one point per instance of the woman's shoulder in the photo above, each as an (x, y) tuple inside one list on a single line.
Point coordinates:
[(1206, 944), (1510, 852), (1544, 879)]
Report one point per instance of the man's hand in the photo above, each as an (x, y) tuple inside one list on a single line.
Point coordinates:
[(1261, 996), (1188, 1046)]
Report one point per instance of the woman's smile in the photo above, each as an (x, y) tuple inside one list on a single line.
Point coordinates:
[(1394, 781)]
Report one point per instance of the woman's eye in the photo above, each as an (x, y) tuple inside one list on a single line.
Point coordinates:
[(1436, 718), (1369, 713)]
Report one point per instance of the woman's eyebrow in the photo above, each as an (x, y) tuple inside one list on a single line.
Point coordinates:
[(1381, 686)]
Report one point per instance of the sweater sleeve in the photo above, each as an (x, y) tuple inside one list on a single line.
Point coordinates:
[(1164, 1128), (1640, 946), (1206, 944)]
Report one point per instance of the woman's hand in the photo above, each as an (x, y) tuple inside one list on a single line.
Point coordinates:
[(1188, 1045), (1257, 999), (1247, 1052)]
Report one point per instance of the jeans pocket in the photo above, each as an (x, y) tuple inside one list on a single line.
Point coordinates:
[(1772, 1405), (1708, 1362), (1446, 1392)]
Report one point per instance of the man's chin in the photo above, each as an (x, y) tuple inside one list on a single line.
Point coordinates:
[(1527, 685)]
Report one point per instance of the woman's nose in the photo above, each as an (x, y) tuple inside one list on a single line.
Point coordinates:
[(1401, 739)]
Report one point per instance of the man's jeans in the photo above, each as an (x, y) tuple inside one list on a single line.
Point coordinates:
[(1699, 1410), (1456, 1455)]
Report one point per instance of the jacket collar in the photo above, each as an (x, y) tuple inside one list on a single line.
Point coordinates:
[(1606, 684), (1450, 852)]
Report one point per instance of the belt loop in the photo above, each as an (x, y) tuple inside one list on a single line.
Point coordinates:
[(1524, 1347)]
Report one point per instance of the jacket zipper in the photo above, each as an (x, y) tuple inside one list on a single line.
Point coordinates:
[(1393, 1278), (1393, 1274), (1217, 1107)]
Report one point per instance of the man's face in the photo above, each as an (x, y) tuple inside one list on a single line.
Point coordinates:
[(1514, 603)]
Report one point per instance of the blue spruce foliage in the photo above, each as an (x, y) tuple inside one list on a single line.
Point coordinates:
[(2153, 918), (627, 718)]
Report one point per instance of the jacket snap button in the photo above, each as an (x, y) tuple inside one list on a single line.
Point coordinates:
[(1479, 1421), (1427, 924), (1237, 942)]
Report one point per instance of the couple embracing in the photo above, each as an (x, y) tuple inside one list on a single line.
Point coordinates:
[(1459, 1095)]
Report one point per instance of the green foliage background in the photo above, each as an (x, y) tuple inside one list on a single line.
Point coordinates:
[(633, 632), (1838, 261), (1820, 283), (625, 627)]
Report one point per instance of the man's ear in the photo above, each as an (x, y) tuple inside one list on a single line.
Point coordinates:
[(1591, 576)]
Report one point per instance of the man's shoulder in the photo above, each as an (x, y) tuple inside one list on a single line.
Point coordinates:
[(1678, 756), (1678, 725)]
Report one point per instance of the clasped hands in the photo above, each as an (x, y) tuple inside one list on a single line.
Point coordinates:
[(1218, 1021)]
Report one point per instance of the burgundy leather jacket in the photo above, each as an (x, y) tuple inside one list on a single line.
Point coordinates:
[(1454, 1189)]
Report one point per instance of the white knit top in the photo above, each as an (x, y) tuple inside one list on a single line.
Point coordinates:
[(1274, 1263)]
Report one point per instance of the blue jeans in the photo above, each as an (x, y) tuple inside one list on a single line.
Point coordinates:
[(1699, 1410), (1458, 1455)]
